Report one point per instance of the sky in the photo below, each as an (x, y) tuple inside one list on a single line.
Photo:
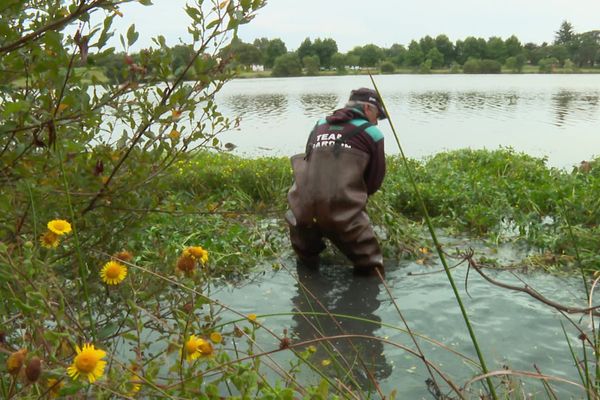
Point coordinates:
[(381, 22)]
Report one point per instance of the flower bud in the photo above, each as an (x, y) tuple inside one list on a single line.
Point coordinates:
[(33, 369), (14, 362)]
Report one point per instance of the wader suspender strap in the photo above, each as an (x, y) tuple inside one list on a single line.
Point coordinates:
[(348, 136), (309, 146)]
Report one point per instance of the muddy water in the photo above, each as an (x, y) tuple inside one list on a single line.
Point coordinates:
[(514, 330)]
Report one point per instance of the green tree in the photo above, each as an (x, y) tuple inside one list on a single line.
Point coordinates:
[(325, 49), (427, 43), (496, 49), (305, 49), (445, 46), (565, 34), (311, 65), (436, 58), (548, 65), (414, 55), (472, 47), (387, 67), (513, 46), (396, 53), (472, 66), (339, 62), (287, 65), (588, 49), (274, 49), (370, 55)]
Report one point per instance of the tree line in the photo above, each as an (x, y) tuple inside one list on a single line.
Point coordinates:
[(569, 50)]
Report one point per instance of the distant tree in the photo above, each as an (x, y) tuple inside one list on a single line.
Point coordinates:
[(305, 49), (370, 55), (261, 44), (352, 60), (559, 51), (396, 54), (274, 49), (339, 62), (473, 47), (425, 67), (311, 65), (496, 49), (414, 55), (490, 66), (565, 34), (427, 43), (548, 64), (589, 48), (472, 66), (445, 46), (436, 58), (242, 53), (287, 65), (513, 46), (181, 56), (325, 49), (387, 67)]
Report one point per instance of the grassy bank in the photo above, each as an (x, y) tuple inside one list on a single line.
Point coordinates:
[(220, 216)]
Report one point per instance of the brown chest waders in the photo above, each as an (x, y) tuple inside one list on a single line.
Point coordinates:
[(328, 199)]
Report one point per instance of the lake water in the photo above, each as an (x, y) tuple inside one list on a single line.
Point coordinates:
[(513, 329), (553, 116)]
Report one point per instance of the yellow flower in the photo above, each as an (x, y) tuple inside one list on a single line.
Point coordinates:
[(252, 317), (326, 362), (174, 134), (88, 363), (197, 253), (216, 337), (191, 348), (54, 386), (113, 273), (59, 226), (49, 240), (197, 347)]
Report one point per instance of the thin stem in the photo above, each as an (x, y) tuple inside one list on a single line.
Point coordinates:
[(438, 247)]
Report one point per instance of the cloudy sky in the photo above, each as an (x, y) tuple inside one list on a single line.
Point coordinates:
[(382, 22)]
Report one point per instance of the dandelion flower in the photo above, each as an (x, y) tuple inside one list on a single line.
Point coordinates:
[(192, 350), (54, 386), (197, 347), (49, 240), (186, 264), (59, 226), (197, 253), (113, 273), (251, 317), (216, 337), (88, 363)]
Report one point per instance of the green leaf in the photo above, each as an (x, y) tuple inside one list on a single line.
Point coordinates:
[(15, 107), (132, 35)]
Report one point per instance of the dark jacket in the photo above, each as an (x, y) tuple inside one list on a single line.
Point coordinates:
[(331, 187), (370, 141)]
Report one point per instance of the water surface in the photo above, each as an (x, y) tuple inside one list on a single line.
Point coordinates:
[(553, 116)]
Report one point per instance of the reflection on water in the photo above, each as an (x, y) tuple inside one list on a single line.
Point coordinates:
[(569, 107), (339, 292), (258, 106), (316, 105), (549, 116)]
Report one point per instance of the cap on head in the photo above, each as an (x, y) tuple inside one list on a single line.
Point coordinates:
[(369, 96)]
